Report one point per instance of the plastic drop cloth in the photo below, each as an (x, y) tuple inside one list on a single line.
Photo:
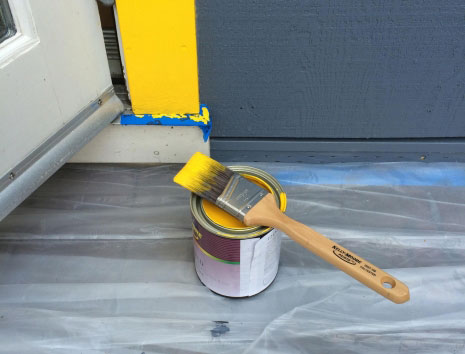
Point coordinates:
[(100, 260)]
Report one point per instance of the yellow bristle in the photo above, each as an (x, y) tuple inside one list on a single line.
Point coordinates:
[(199, 169)]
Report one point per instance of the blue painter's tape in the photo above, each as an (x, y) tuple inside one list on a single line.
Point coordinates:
[(201, 120)]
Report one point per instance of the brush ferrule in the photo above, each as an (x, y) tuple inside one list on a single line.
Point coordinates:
[(239, 196)]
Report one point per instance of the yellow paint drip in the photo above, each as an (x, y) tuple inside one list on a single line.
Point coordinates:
[(221, 217), (203, 117)]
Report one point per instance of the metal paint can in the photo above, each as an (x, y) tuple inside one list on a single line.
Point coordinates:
[(232, 259)]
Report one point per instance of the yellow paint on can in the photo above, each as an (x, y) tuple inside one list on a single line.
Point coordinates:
[(160, 53), (222, 218)]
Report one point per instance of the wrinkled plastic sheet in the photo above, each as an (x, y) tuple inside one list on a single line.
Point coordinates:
[(100, 260)]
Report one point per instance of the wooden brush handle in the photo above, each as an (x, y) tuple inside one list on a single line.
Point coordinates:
[(267, 213)]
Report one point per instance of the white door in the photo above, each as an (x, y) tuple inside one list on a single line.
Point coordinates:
[(55, 90)]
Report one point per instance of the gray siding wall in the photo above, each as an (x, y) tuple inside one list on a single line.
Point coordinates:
[(333, 69)]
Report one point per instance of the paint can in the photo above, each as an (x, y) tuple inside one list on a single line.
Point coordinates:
[(232, 259)]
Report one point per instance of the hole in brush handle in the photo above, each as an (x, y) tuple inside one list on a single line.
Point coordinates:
[(388, 282)]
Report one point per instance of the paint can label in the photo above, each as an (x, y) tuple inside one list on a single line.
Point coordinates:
[(234, 267)]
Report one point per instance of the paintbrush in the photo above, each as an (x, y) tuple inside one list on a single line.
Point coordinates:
[(254, 205)]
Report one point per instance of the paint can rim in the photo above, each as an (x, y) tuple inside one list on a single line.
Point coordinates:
[(199, 214)]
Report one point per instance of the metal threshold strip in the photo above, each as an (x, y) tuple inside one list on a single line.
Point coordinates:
[(18, 183)]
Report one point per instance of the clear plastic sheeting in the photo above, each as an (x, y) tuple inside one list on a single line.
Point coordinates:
[(100, 260)]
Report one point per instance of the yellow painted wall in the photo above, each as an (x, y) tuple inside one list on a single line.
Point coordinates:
[(160, 52)]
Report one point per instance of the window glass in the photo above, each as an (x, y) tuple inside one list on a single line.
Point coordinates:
[(7, 25)]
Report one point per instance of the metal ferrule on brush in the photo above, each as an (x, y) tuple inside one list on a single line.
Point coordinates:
[(239, 196)]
